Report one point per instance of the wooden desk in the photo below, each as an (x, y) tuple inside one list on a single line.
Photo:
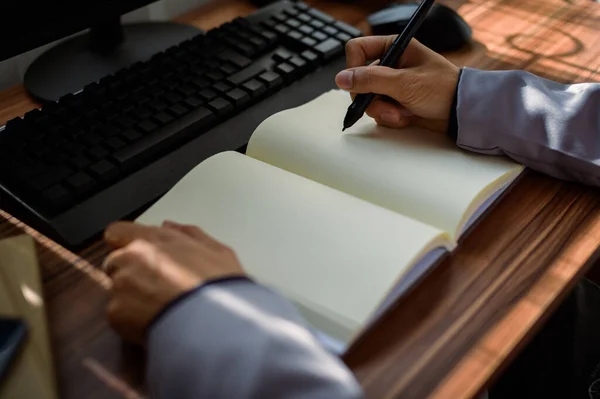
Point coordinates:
[(465, 322)]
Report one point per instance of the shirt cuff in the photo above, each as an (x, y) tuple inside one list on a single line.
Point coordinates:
[(453, 120), (186, 294)]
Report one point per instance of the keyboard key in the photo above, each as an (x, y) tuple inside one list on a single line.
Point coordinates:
[(246, 74), (200, 83), (235, 58), (221, 87), (124, 122), (298, 62), (328, 48), (281, 55), (178, 110), (141, 113), (29, 171), (221, 106), (208, 94), (331, 31), (349, 30), (285, 70), (104, 170), (97, 152), (254, 87), (320, 16), (50, 177), (172, 98), (304, 18), (81, 183), (282, 29), (246, 49), (295, 35), (193, 102), (91, 138), (260, 44), (315, 23), (238, 97), (272, 79), (56, 198), (134, 156), (270, 37), (309, 56), (114, 143), (343, 37), (157, 106), (292, 12), (107, 131), (147, 127), (309, 41), (131, 135), (215, 76), (185, 91), (319, 36), (281, 17), (162, 118), (79, 162), (270, 23), (306, 29), (228, 69)]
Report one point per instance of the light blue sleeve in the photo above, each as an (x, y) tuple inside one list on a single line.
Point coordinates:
[(549, 127), (239, 340)]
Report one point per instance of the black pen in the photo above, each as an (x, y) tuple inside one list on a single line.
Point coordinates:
[(390, 59)]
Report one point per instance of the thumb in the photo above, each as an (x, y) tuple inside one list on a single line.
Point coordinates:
[(370, 79)]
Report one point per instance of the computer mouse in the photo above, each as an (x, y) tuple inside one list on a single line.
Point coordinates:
[(442, 30)]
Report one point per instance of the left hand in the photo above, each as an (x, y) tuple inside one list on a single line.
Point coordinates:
[(154, 265)]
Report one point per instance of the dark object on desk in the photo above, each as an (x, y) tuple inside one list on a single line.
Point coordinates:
[(360, 104), (13, 333), (443, 29), (107, 47), (104, 154)]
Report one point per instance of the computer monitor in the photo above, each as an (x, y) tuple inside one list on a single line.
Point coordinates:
[(102, 46)]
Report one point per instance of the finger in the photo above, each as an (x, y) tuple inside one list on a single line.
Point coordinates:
[(370, 79), (119, 259), (121, 234), (363, 49), (393, 120), (379, 106), (191, 231)]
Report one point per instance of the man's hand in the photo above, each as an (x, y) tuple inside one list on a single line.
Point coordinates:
[(419, 91), (154, 265)]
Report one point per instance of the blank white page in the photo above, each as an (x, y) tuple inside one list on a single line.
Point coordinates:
[(334, 255), (413, 171)]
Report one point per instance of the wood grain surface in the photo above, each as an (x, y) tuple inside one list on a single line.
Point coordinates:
[(463, 324)]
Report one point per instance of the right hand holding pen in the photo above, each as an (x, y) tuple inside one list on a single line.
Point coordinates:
[(419, 91)]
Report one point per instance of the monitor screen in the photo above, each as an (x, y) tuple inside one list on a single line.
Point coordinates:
[(28, 24)]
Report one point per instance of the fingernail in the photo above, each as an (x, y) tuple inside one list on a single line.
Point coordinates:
[(345, 79), (405, 112), (390, 117)]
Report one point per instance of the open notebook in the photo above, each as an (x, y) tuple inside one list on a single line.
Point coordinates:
[(339, 223)]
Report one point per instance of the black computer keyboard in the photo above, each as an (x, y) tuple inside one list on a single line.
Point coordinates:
[(105, 153)]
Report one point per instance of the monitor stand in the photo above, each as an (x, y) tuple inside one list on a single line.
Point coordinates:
[(103, 50)]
